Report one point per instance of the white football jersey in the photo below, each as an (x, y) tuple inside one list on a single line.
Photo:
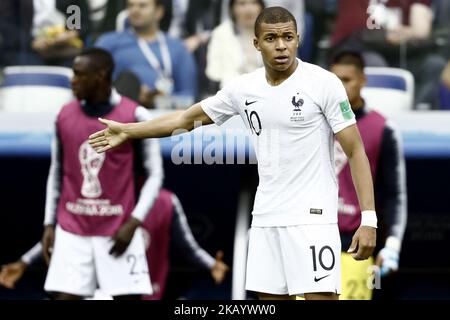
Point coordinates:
[(292, 126)]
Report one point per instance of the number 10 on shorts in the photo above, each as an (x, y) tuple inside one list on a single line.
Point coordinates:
[(322, 256)]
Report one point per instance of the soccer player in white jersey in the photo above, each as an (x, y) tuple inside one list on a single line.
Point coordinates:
[(293, 110)]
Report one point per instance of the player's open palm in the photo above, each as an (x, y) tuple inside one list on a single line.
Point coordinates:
[(363, 243), (11, 273), (108, 138)]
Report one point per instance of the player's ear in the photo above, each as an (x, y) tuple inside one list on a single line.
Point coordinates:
[(256, 44), (298, 40)]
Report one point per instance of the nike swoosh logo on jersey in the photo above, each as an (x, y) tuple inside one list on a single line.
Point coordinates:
[(249, 103), (318, 279)]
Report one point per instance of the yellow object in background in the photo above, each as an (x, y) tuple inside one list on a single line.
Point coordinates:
[(57, 30), (355, 278)]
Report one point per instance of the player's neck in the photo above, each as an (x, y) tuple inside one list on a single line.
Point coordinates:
[(275, 77), (147, 33), (100, 96)]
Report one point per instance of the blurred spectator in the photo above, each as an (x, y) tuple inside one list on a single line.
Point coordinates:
[(103, 14), (383, 145), (165, 227), (165, 67), (202, 16), (193, 21), (393, 33), (323, 14), (178, 17), (231, 51), (446, 75), (296, 7), (35, 32)]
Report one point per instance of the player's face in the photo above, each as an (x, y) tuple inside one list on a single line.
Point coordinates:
[(278, 44), (143, 13), (245, 12), (84, 81), (352, 78)]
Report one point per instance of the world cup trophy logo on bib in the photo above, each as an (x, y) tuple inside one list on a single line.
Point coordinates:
[(91, 162)]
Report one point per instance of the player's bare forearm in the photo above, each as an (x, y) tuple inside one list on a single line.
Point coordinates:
[(156, 128), (362, 179), (168, 124), (351, 142), (174, 123)]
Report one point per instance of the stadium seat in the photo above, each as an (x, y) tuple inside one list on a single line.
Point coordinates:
[(388, 90), (444, 94), (35, 89)]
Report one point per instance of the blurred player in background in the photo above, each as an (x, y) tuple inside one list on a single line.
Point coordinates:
[(165, 227), (383, 145), (93, 205), (293, 110)]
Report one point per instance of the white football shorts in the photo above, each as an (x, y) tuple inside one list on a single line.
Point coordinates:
[(294, 260), (81, 263)]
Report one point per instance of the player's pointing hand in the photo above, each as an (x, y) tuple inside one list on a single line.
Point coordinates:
[(108, 138)]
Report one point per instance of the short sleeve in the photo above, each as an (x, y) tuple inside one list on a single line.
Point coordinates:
[(335, 106), (220, 107)]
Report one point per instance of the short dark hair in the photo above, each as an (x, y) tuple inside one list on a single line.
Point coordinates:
[(102, 60), (349, 57), (273, 15)]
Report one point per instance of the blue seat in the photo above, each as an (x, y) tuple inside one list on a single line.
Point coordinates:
[(389, 90), (444, 94), (35, 89), (42, 79)]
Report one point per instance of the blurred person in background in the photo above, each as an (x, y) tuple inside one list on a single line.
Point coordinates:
[(231, 51), (165, 228), (193, 21), (296, 7), (383, 145), (92, 234), (165, 68), (393, 33), (103, 15), (43, 32)]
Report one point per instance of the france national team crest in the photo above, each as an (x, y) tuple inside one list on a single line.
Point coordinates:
[(297, 102)]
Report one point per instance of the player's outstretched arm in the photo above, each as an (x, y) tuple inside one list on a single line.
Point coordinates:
[(117, 133), (364, 240)]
